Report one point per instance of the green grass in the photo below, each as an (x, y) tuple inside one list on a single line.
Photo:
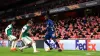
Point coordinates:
[(4, 51)]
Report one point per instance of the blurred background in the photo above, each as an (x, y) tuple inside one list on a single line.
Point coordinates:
[(74, 19)]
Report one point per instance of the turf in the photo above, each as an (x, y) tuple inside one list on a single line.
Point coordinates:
[(4, 51)]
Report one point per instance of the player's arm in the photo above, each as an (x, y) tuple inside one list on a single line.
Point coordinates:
[(8, 27), (47, 25), (20, 36)]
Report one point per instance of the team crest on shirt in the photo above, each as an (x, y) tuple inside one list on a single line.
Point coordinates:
[(23, 28)]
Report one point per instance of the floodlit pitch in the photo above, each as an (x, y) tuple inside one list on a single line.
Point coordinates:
[(4, 51)]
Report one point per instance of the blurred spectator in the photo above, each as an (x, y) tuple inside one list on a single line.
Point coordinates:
[(82, 28)]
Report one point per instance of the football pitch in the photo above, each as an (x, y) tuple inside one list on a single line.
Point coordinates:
[(4, 51)]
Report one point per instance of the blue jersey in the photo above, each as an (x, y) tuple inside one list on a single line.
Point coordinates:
[(50, 26)]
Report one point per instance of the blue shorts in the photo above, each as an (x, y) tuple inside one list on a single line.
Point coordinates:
[(49, 36)]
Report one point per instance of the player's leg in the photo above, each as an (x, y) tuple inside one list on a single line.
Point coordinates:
[(12, 45), (28, 41), (12, 42), (15, 43), (24, 47), (34, 46), (33, 43), (47, 37), (13, 39), (59, 49), (25, 42), (54, 39)]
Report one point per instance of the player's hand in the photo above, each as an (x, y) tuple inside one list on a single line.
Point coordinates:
[(53, 35)]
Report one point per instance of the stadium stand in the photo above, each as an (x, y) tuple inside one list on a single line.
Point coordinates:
[(78, 27)]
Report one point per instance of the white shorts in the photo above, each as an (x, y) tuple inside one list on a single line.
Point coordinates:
[(27, 40), (11, 37)]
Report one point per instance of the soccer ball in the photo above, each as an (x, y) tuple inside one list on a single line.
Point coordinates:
[(47, 49), (13, 49)]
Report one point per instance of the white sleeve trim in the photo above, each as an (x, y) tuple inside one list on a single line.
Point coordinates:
[(8, 27), (24, 29)]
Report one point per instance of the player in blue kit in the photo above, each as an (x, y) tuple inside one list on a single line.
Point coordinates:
[(50, 34)]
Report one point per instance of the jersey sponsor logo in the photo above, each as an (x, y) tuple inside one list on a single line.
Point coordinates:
[(23, 28), (85, 45)]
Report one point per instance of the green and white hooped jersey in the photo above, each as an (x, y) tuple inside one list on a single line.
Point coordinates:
[(25, 30), (8, 30)]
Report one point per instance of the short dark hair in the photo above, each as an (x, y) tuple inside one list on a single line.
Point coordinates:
[(12, 21), (30, 22)]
